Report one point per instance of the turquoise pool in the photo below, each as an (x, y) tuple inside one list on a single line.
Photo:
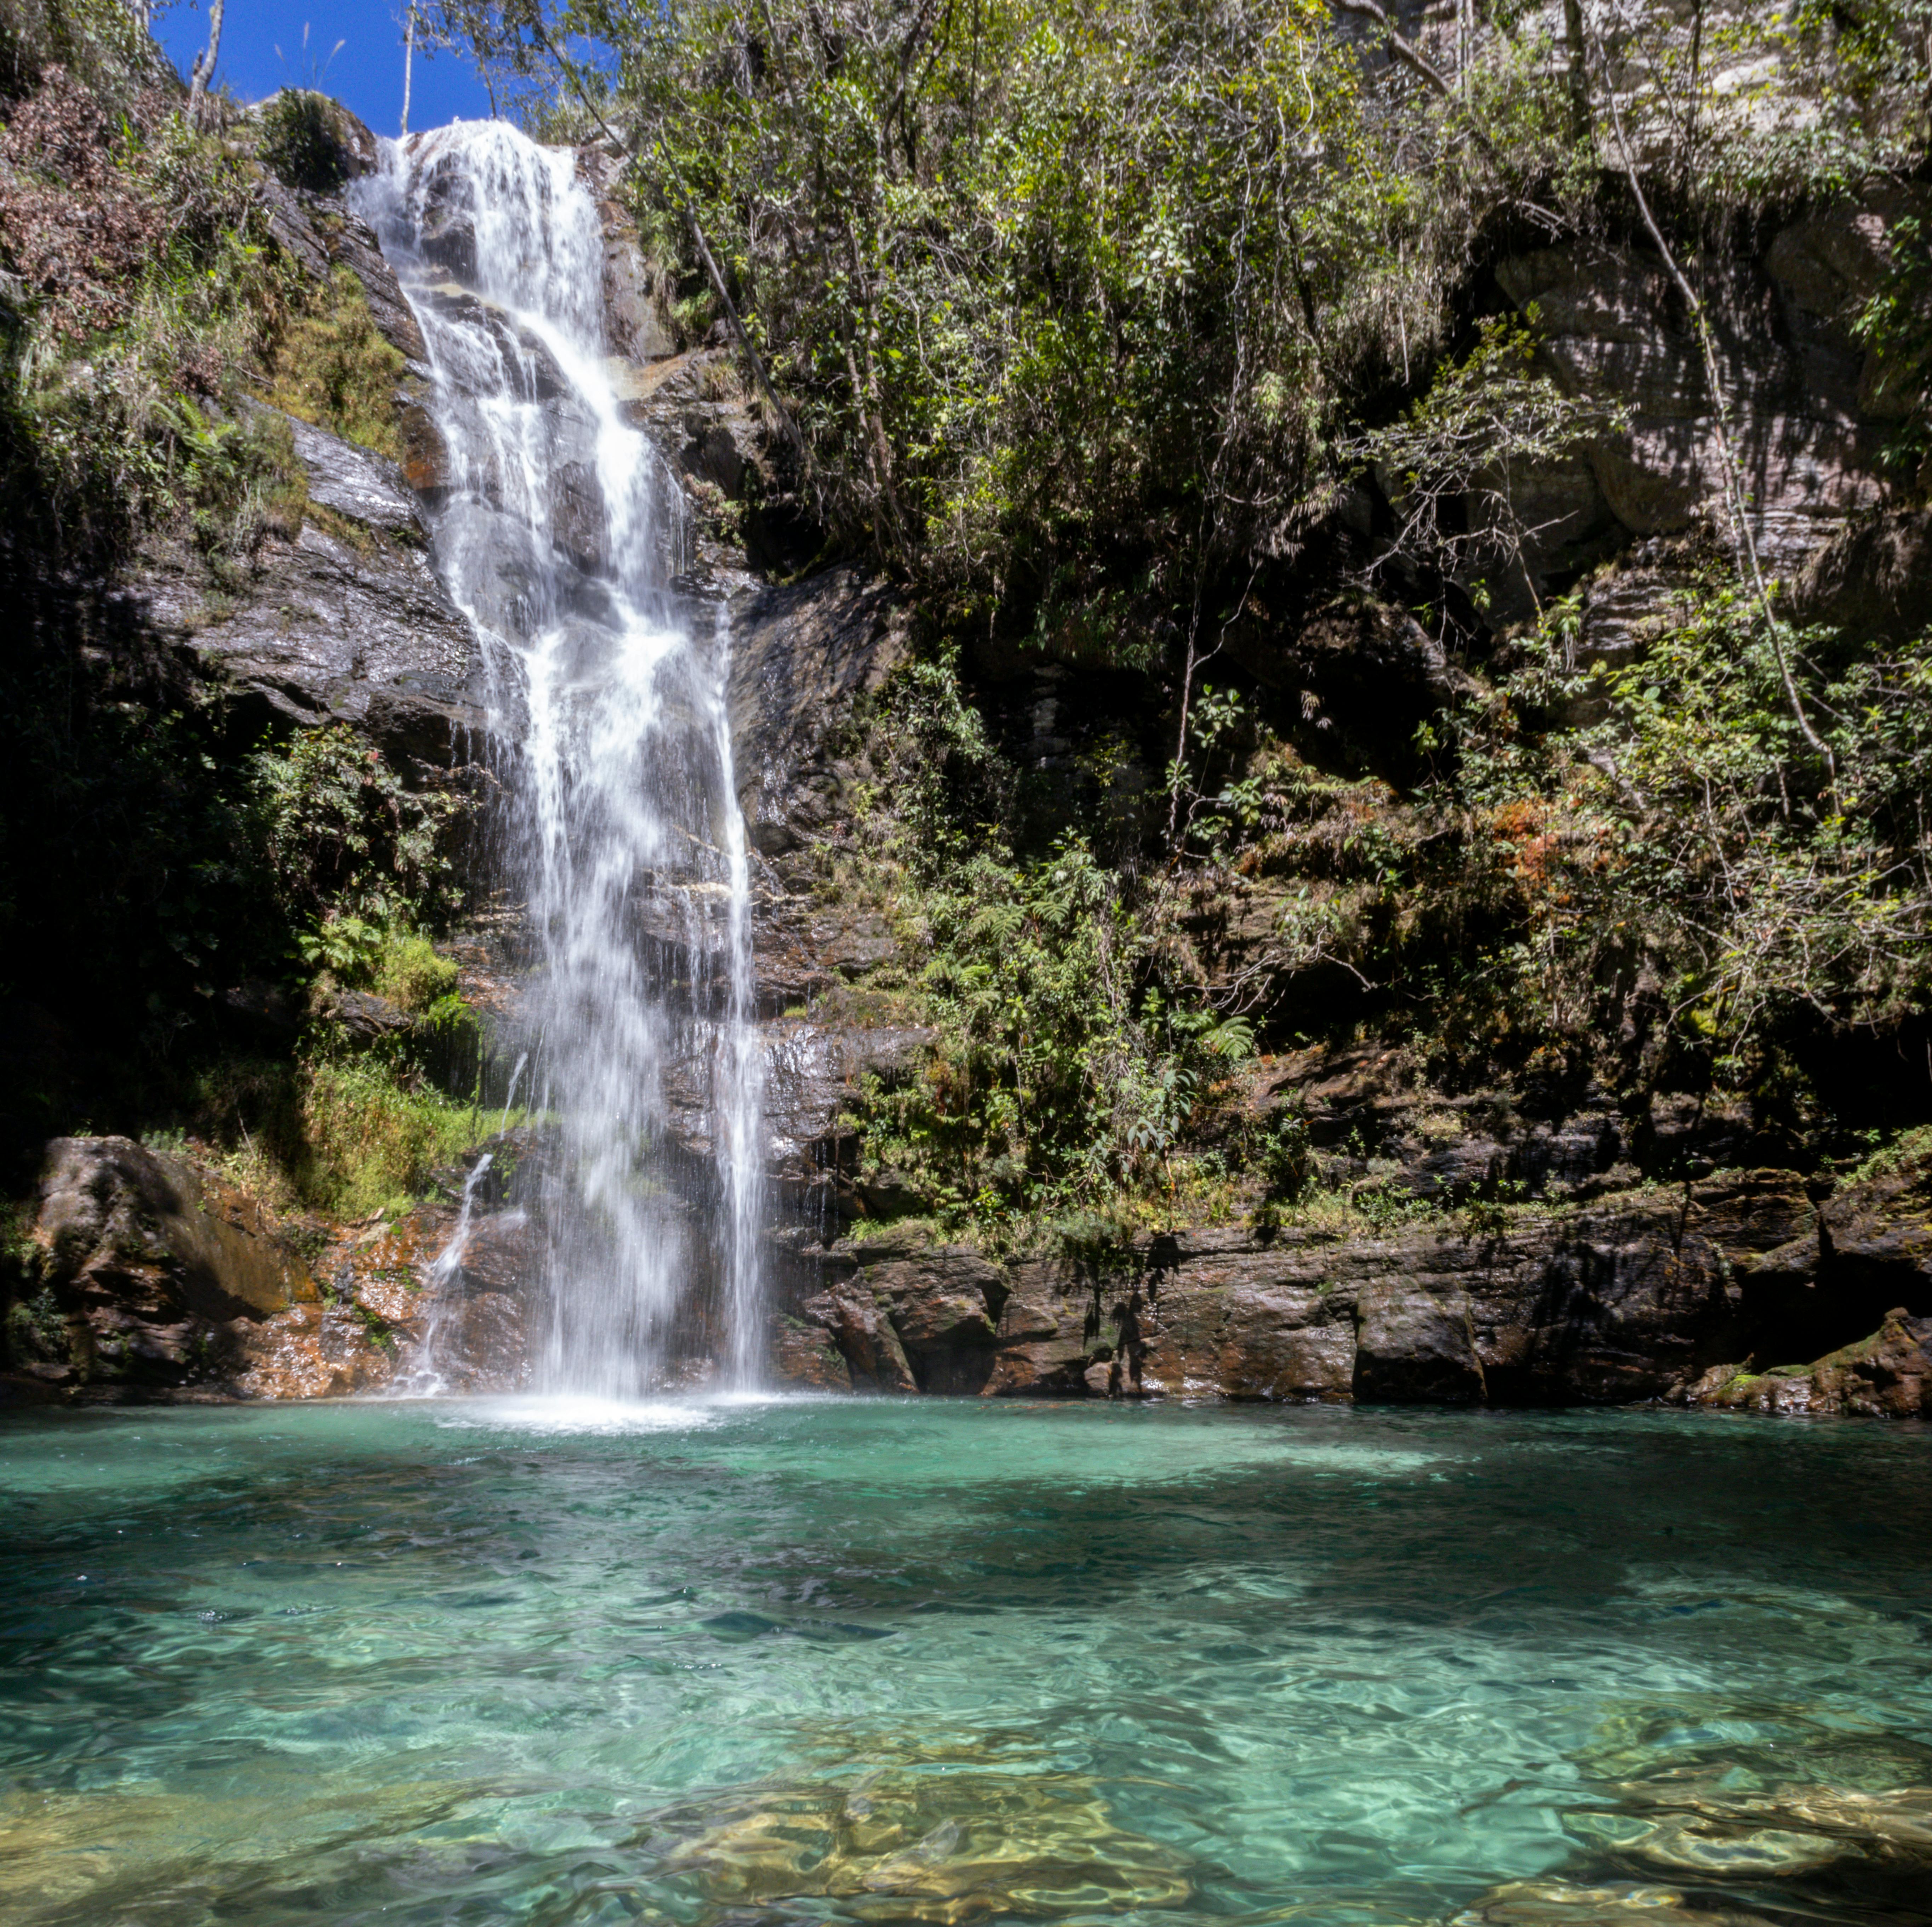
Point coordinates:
[(817, 1660)]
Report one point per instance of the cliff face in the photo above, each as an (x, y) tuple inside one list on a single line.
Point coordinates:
[(1547, 1243)]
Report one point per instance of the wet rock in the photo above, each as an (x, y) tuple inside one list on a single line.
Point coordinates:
[(1696, 1825), (637, 317), (861, 1326), (698, 418), (347, 623), (804, 1355), (319, 231), (318, 1351), (1555, 1903), (813, 1073), (389, 1314), (801, 655), (150, 1275), (1886, 1375), (1049, 1333), (1417, 1344), (945, 1305), (356, 482), (1628, 1300)]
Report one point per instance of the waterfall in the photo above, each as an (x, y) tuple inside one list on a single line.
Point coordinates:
[(559, 531), (425, 1375)]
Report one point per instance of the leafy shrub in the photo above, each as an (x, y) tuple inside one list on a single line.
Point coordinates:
[(409, 972), (303, 142), (344, 836)]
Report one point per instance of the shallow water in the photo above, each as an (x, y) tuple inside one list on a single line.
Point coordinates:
[(812, 1659)]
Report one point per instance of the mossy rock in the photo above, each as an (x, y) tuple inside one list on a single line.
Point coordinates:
[(311, 143)]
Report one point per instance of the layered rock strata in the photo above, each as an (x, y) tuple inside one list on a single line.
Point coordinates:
[(1657, 1294)]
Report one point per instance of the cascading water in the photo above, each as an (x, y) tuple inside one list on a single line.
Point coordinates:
[(559, 531)]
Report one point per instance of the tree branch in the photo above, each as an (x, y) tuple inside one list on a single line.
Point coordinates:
[(568, 68), (1404, 50)]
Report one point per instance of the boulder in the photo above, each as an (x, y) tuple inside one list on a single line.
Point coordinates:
[(1886, 1375), (150, 1275), (1873, 578), (805, 1355), (944, 1303), (861, 1328)]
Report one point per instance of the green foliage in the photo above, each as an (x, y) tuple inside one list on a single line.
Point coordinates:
[(302, 140), (330, 366), (124, 362), (100, 42), (1452, 463), (1896, 325), (346, 838), (1908, 1149), (1054, 293), (410, 973), (1069, 1060), (345, 947), (1682, 875), (370, 1139), (347, 1134), (1286, 1158)]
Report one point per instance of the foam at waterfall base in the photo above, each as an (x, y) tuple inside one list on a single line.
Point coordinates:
[(568, 1414)]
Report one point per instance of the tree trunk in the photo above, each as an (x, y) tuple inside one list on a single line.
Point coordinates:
[(204, 66), (1579, 72), (409, 56)]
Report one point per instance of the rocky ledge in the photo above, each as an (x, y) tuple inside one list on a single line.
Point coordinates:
[(156, 1278), (151, 1277), (1671, 1295)]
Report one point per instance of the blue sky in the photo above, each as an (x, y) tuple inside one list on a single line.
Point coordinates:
[(366, 75)]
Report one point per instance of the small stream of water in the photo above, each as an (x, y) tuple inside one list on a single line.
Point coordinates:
[(559, 532)]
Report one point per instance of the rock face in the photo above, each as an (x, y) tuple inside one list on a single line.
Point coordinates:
[(1813, 407), (150, 1276), (153, 1278), (344, 620), (1640, 1298), (345, 623), (800, 655), (391, 1315)]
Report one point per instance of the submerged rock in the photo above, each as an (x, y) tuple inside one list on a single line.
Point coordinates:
[(942, 1846)]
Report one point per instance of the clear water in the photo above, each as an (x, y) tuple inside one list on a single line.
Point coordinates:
[(842, 1660)]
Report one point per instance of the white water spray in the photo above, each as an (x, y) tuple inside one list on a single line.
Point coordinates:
[(426, 1377), (559, 531)]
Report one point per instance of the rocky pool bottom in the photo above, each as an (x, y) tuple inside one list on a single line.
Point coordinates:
[(946, 1661)]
